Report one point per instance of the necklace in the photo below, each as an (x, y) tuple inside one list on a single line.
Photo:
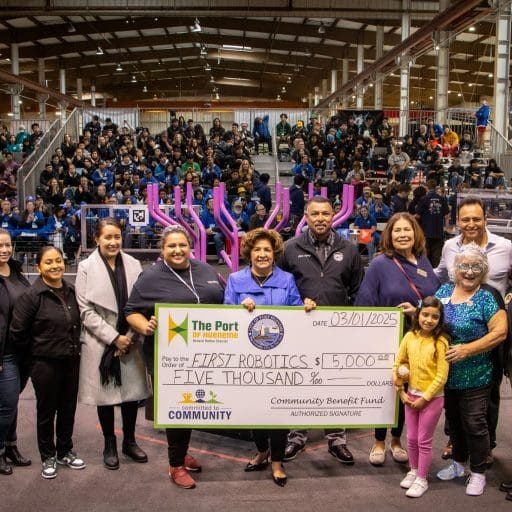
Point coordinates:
[(190, 286), (261, 280)]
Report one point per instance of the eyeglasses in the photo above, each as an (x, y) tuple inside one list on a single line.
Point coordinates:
[(476, 268)]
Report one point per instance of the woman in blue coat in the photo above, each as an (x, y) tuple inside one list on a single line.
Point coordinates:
[(264, 284)]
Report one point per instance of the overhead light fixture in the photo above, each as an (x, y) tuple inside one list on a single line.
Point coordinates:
[(470, 85), (237, 78), (10, 114), (160, 62), (278, 97), (237, 48), (289, 80), (99, 50), (321, 29), (472, 28), (459, 95), (431, 97), (134, 79), (370, 85), (119, 67), (71, 28), (436, 47), (490, 75), (217, 96), (207, 67), (283, 89), (412, 102), (212, 80), (196, 27), (204, 50), (145, 88)]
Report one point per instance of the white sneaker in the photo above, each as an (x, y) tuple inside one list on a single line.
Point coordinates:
[(418, 488), (454, 470), (475, 484), (71, 461), (49, 468), (408, 479)]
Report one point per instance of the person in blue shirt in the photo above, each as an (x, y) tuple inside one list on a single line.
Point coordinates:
[(212, 230), (482, 120), (379, 209), (103, 175), (8, 220), (239, 216), (148, 177), (264, 284), (210, 172), (261, 133), (304, 168), (365, 199), (364, 220)]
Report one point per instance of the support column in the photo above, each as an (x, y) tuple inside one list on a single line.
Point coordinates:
[(344, 80), (316, 100), (325, 88), (93, 95), (334, 80), (404, 71), (15, 89), (79, 88), (62, 87), (42, 98), (360, 67), (501, 70), (379, 81), (443, 68), (310, 100)]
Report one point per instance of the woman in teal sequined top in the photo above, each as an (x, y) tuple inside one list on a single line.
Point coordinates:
[(476, 325)]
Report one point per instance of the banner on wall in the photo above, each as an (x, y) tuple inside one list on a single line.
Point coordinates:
[(277, 367)]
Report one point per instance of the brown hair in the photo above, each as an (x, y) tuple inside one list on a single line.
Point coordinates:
[(250, 239), (106, 221), (386, 241)]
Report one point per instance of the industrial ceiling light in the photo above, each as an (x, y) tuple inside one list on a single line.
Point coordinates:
[(321, 29), (217, 96), (472, 28), (71, 28), (134, 79), (196, 27), (145, 88), (207, 67), (204, 50), (283, 89), (119, 67), (289, 80), (99, 50), (278, 97), (212, 80)]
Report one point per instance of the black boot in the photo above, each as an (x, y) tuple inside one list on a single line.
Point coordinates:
[(5, 467), (12, 453), (131, 449), (110, 458)]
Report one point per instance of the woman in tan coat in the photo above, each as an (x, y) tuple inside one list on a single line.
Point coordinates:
[(112, 370)]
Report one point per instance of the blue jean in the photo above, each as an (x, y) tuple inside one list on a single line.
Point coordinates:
[(9, 394)]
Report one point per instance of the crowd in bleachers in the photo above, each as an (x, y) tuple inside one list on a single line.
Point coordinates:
[(112, 165)]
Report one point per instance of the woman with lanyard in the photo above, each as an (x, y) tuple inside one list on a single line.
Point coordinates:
[(112, 367), (399, 277), (175, 279)]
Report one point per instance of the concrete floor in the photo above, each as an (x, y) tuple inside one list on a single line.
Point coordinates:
[(316, 480)]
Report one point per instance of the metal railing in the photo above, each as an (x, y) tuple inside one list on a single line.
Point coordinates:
[(28, 174), (501, 150)]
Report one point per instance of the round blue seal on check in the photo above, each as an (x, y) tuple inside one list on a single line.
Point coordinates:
[(266, 332)]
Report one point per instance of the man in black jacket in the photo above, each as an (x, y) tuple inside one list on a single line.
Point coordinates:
[(328, 270)]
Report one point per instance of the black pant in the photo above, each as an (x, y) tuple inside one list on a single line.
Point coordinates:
[(278, 438), (493, 409), (380, 433), (178, 440), (129, 415), (466, 411), (56, 385)]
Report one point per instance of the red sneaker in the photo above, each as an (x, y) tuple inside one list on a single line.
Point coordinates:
[(192, 464), (181, 477)]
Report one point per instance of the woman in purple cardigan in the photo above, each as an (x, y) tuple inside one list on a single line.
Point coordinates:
[(400, 276)]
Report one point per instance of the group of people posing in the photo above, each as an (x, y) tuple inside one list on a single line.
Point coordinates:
[(93, 342)]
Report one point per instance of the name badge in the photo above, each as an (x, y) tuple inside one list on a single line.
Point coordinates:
[(421, 272)]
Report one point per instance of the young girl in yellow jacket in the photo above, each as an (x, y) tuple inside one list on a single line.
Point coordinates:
[(421, 362)]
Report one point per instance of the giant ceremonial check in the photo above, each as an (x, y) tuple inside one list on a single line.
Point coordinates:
[(223, 367)]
